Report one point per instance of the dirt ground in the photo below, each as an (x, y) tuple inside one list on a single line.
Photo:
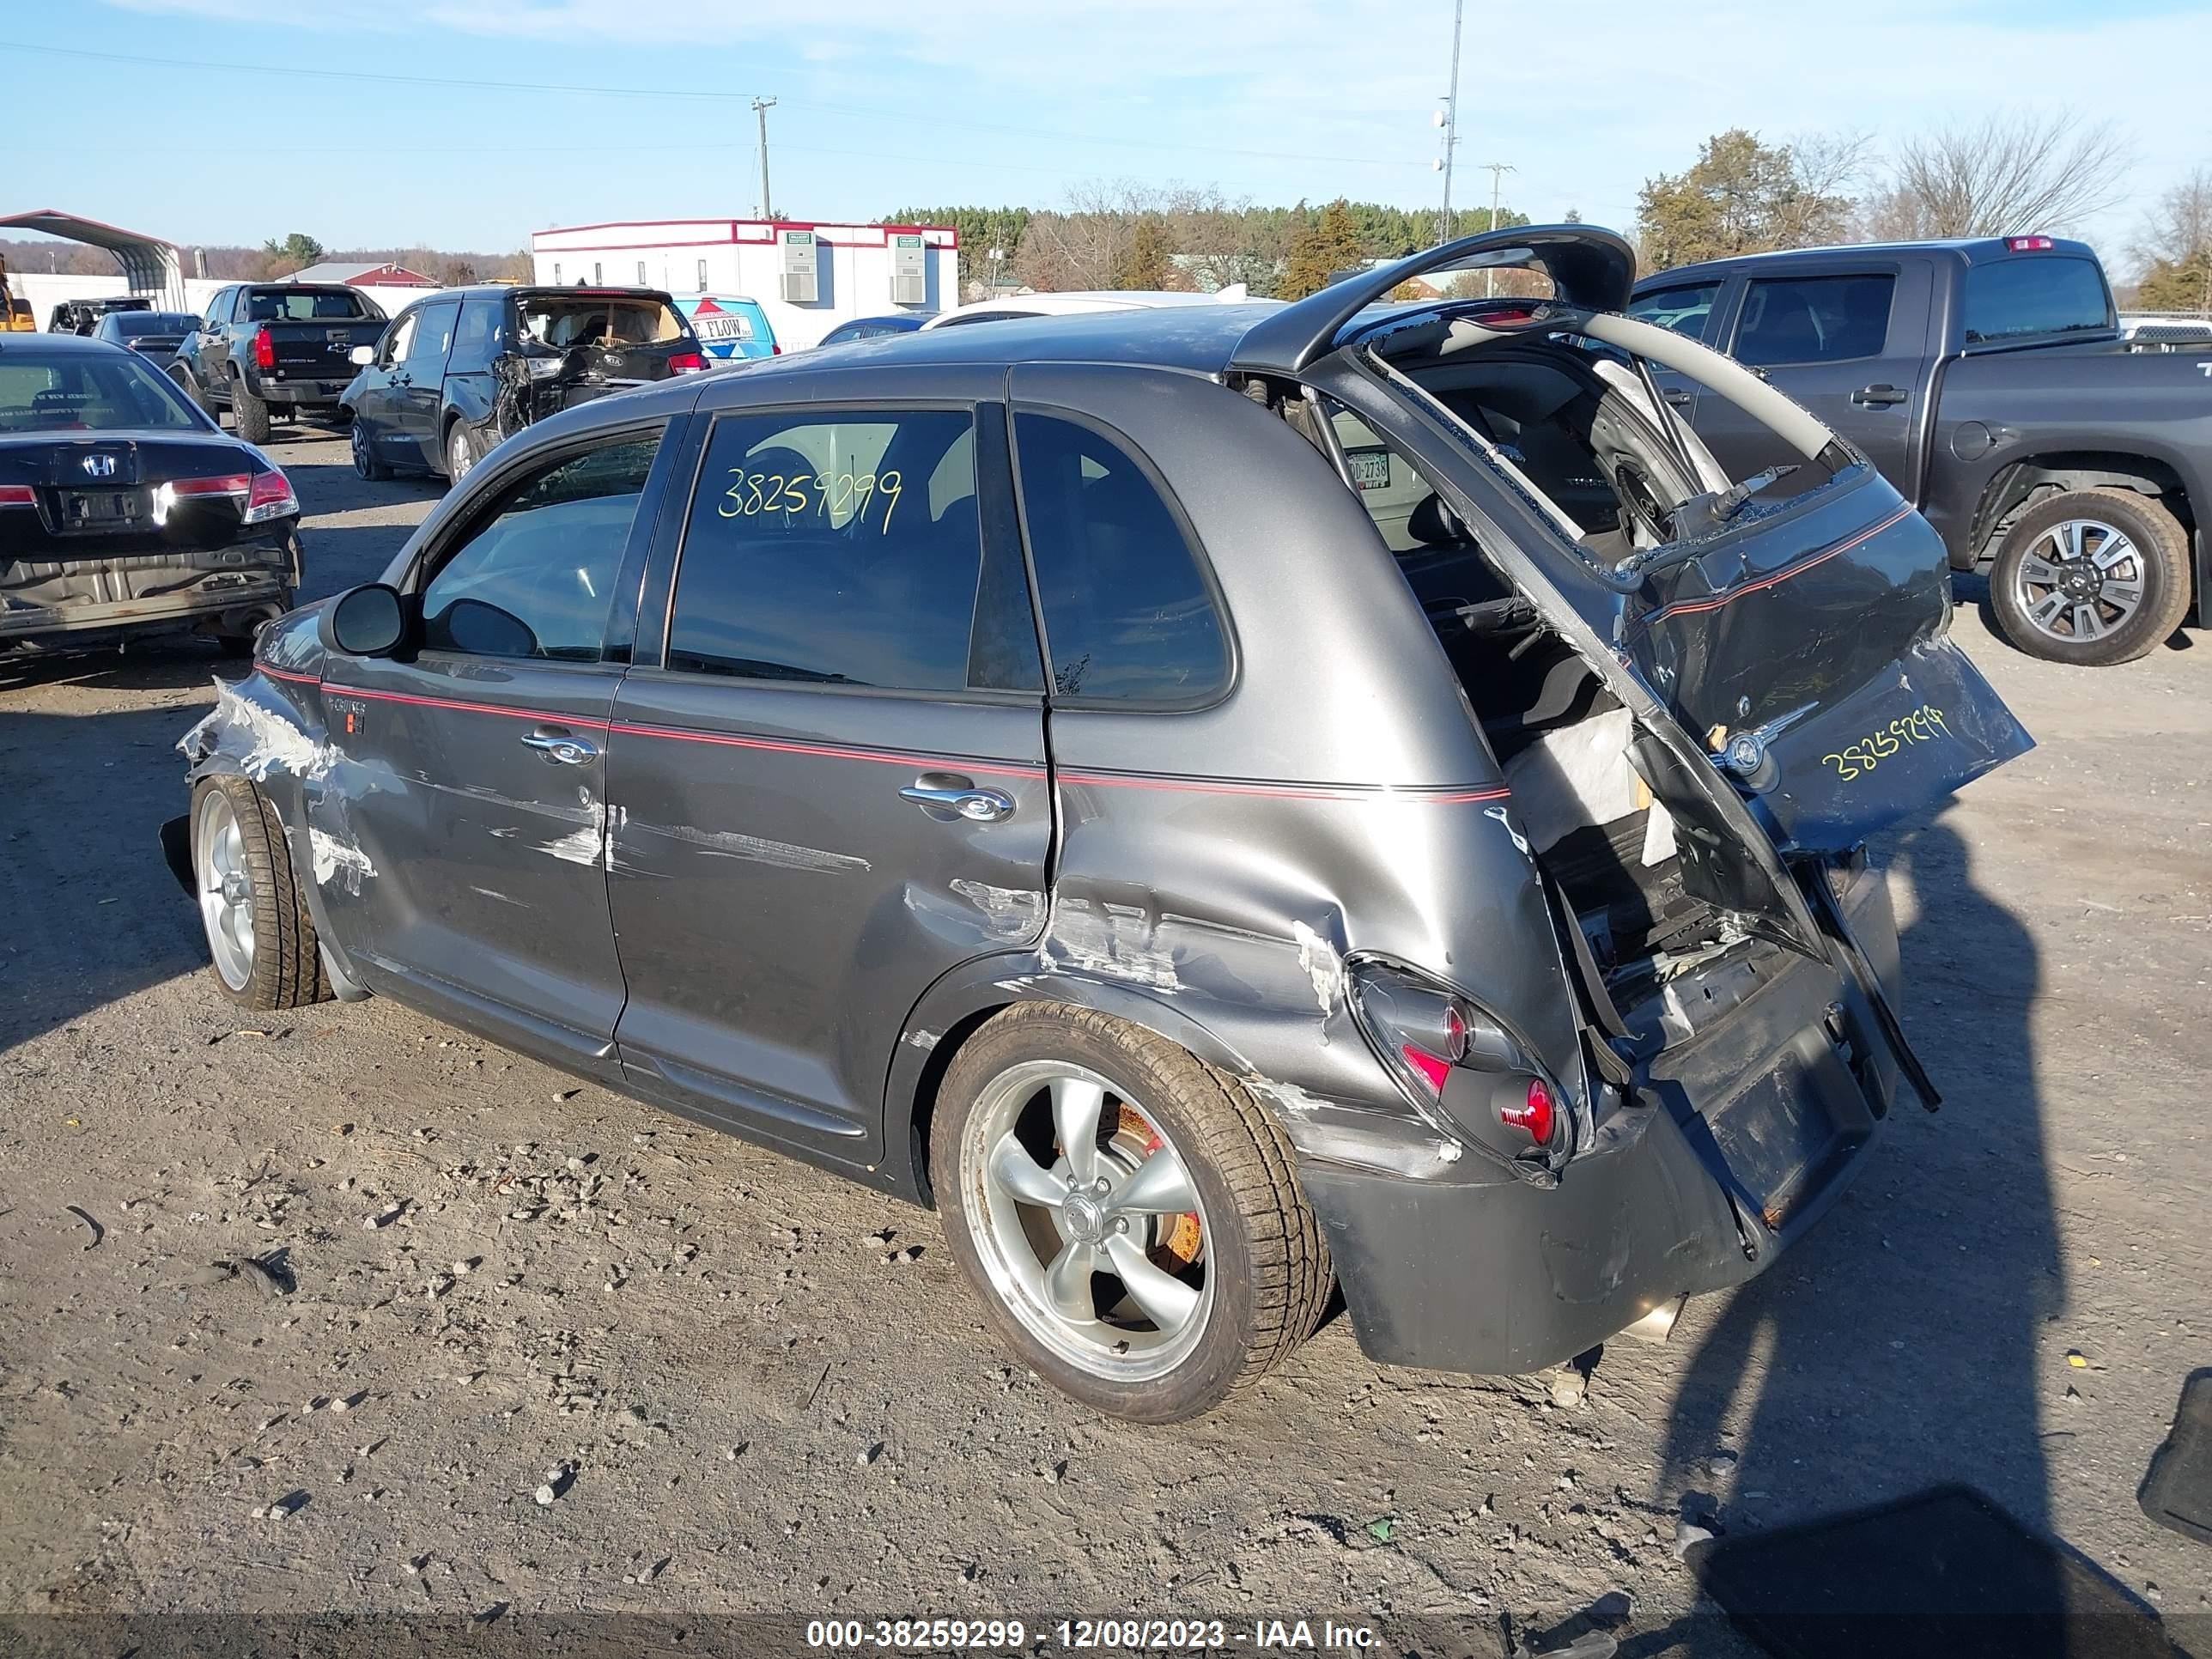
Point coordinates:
[(751, 1387)]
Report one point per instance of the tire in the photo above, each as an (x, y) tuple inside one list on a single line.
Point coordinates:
[(190, 388), (249, 415), (365, 463), (1240, 1280), (2092, 577), (459, 450), (255, 918)]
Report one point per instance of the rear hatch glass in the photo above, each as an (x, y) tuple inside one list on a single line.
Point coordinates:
[(607, 337)]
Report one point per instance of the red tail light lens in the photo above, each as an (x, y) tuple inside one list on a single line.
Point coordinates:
[(1432, 1069), (775, 351), (686, 363), (264, 349), (230, 484), (271, 496), (18, 495), (2031, 244), (1536, 1115)]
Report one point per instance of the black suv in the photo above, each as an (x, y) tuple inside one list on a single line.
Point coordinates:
[(455, 375), (1225, 802)]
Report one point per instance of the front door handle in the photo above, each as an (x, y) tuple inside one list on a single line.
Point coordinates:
[(1879, 397), (563, 748), (945, 797)]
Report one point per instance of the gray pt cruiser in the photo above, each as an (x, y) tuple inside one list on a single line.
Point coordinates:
[(1228, 804)]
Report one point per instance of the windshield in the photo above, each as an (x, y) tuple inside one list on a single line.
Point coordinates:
[(563, 323), (96, 392), (306, 305)]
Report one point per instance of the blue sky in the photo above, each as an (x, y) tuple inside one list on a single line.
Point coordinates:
[(886, 103)]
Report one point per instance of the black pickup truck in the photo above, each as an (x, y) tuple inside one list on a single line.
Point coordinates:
[(282, 347), (1989, 381)]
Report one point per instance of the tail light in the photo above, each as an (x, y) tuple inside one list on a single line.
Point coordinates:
[(775, 351), (2031, 244), (18, 495), (686, 363), (271, 496), (265, 347), (1427, 1034)]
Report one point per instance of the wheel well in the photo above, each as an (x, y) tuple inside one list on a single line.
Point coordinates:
[(923, 1108), (2016, 487)]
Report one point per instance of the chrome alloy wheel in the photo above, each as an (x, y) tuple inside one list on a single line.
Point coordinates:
[(1087, 1221), (362, 458), (459, 458), (226, 889), (2079, 580)]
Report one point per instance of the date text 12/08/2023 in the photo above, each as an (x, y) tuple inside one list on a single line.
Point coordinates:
[(1087, 1635)]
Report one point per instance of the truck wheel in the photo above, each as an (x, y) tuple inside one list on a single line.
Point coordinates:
[(1131, 1218), (258, 931), (248, 414), (2092, 577), (364, 455)]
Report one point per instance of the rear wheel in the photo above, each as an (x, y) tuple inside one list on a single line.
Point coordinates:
[(190, 388), (248, 414), (2092, 577), (251, 907), (364, 457), (1131, 1218), (460, 451)]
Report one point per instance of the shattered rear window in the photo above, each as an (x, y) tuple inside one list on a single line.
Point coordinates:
[(563, 323)]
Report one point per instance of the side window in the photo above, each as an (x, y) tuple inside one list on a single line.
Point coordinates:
[(1127, 615), (841, 550), (536, 578), (476, 339), (1685, 308), (1814, 319), (218, 309), (434, 338), (400, 339), (2035, 294)]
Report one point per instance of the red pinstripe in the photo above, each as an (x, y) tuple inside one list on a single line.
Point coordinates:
[(1691, 607)]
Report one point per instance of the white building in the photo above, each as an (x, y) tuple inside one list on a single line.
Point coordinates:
[(808, 277)]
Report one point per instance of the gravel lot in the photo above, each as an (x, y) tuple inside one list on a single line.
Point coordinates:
[(752, 1388)]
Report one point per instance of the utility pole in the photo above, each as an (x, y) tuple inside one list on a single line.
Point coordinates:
[(760, 107), (1451, 123), (1498, 170)]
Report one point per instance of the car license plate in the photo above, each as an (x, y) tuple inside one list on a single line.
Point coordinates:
[(1371, 468), (102, 507)]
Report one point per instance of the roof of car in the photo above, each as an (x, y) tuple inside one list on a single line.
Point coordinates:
[(1973, 250), (1201, 338), (33, 345)]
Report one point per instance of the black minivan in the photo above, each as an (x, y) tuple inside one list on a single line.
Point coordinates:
[(1226, 803), (460, 371)]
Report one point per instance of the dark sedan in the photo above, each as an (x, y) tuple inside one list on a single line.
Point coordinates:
[(154, 335), (124, 509), (874, 328)]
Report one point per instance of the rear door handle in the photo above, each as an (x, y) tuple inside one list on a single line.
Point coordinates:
[(945, 797), (563, 748), (1879, 397)]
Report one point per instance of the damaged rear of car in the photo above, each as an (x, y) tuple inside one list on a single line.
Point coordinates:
[(125, 511), (1704, 693)]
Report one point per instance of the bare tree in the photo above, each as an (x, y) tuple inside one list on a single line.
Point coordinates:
[(2005, 176), (2180, 225)]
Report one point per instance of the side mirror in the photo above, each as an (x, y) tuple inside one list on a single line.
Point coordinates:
[(362, 356), (369, 621)]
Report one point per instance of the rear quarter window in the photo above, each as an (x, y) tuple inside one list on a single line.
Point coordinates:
[(1814, 319), (2009, 299), (1128, 615)]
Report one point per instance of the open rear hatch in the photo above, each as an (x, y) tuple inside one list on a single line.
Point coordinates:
[(1779, 645)]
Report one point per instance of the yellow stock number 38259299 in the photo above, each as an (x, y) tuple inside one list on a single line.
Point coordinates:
[(839, 497)]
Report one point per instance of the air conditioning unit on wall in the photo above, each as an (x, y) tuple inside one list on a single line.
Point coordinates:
[(909, 271), (799, 281)]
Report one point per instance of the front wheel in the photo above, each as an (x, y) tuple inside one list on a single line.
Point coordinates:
[(2091, 577), (364, 455), (1131, 1218), (251, 907)]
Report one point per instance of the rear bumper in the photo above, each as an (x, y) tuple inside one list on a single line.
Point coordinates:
[(1747, 1132), (305, 390), (97, 597)]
